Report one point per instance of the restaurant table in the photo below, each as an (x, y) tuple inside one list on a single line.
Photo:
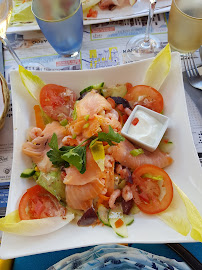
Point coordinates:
[(103, 46)]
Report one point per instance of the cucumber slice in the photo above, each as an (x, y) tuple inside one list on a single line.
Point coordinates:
[(27, 173), (89, 88), (115, 91), (134, 210), (103, 215), (114, 215), (129, 219)]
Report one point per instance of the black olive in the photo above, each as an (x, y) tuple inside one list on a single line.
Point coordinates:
[(123, 101), (88, 218), (126, 206)]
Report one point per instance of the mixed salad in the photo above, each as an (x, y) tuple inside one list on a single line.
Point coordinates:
[(82, 164)]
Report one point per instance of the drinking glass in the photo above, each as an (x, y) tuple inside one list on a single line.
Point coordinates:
[(61, 22), (6, 7), (185, 25), (144, 45)]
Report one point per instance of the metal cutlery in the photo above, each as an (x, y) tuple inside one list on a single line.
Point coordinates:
[(194, 78)]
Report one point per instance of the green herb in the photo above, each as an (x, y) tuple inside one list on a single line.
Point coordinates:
[(55, 154), (110, 137), (74, 136), (76, 155), (64, 122), (136, 152), (86, 125), (86, 117), (74, 113), (154, 177)]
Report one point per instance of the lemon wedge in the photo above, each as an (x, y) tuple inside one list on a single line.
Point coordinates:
[(12, 224), (159, 68), (32, 82), (97, 150)]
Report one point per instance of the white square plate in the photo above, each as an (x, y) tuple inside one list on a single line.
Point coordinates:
[(185, 170)]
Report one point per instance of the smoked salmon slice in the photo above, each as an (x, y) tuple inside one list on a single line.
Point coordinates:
[(92, 104), (79, 197), (121, 153), (74, 177)]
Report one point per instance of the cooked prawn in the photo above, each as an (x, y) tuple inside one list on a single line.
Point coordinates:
[(116, 193)]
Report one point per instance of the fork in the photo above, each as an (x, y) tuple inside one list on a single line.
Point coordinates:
[(194, 78)]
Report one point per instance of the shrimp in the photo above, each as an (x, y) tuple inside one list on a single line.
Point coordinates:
[(34, 133), (116, 193), (127, 193)]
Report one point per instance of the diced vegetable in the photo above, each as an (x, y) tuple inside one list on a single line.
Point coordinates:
[(129, 219), (103, 215), (39, 117), (64, 122), (166, 146), (89, 88), (137, 152), (27, 173), (134, 210), (154, 177), (116, 91), (114, 216)]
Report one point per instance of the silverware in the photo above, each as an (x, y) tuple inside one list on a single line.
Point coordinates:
[(194, 78)]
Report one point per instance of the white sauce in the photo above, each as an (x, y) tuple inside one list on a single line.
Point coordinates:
[(147, 129)]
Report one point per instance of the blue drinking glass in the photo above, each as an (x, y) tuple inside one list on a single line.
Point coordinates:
[(61, 22)]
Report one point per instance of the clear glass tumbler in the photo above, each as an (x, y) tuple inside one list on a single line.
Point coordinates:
[(185, 25), (61, 22)]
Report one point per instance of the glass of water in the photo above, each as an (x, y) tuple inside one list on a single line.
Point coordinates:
[(61, 22), (185, 25)]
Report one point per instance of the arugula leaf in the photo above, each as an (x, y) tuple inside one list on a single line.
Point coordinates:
[(77, 157), (110, 137)]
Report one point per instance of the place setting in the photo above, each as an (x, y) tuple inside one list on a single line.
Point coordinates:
[(100, 120)]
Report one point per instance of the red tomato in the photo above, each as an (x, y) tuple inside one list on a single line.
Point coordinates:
[(57, 101), (146, 96), (146, 191), (38, 203), (92, 13), (135, 121)]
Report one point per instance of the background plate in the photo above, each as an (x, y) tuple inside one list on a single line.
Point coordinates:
[(185, 170), (138, 10)]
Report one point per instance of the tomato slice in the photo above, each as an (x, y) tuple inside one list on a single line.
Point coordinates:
[(57, 101), (147, 191), (146, 96), (38, 203)]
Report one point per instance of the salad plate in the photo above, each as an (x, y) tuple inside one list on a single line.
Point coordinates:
[(23, 20), (185, 171)]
